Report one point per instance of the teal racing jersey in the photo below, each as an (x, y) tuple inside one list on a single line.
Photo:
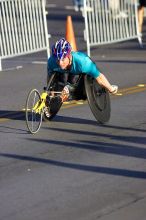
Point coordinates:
[(81, 63)]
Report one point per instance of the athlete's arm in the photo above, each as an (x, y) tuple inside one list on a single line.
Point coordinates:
[(91, 69), (102, 80)]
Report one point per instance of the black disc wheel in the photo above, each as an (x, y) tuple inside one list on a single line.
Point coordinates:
[(54, 103), (98, 99), (33, 117), (54, 106)]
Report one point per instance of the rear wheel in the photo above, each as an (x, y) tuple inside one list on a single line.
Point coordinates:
[(98, 99), (33, 118)]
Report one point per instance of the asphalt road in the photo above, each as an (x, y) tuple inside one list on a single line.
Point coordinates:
[(74, 168)]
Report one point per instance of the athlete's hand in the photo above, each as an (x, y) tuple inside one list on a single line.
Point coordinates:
[(114, 90), (65, 94)]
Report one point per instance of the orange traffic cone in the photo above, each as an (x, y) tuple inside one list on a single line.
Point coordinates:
[(70, 37)]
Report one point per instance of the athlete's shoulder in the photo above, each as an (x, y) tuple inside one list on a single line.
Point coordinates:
[(52, 62), (80, 58), (51, 59), (78, 54)]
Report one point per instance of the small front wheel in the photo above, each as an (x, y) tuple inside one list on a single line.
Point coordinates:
[(32, 111)]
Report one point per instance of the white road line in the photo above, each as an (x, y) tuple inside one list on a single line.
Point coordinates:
[(68, 7), (51, 5), (39, 62), (12, 68)]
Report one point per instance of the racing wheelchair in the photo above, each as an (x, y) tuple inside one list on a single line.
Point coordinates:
[(85, 88)]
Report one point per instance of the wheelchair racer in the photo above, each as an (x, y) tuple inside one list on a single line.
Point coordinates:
[(70, 64)]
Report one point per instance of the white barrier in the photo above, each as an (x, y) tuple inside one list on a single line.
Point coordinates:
[(23, 28), (110, 21)]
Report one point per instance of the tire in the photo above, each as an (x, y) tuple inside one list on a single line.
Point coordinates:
[(56, 105), (46, 118), (33, 119), (53, 108), (98, 99)]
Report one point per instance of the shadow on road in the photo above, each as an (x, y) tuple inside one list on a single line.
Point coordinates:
[(20, 115), (14, 115), (132, 139), (87, 168), (72, 120), (102, 147)]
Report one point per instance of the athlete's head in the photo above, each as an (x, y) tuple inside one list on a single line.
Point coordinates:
[(61, 49)]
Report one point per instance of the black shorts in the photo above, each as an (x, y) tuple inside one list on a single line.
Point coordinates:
[(142, 3)]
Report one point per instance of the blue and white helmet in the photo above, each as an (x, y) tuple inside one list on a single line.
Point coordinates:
[(61, 49)]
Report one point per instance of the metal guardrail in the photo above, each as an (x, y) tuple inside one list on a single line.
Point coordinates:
[(110, 21), (23, 28)]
